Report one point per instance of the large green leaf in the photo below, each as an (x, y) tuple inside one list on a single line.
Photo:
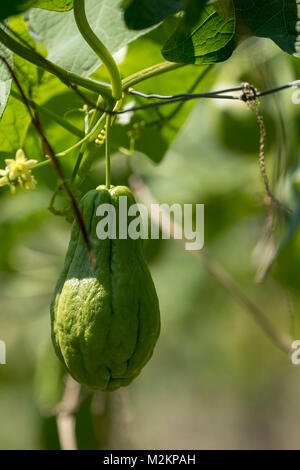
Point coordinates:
[(140, 14), (65, 44), (204, 37), (13, 7), (278, 20), (16, 119)]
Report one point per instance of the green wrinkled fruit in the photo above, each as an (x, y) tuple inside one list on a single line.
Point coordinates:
[(105, 319)]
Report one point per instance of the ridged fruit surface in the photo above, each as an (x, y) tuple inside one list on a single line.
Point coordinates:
[(105, 319)]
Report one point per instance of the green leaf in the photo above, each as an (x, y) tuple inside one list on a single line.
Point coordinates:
[(55, 5), (13, 7), (65, 45), (203, 39), (141, 14), (5, 78), (16, 119), (278, 20)]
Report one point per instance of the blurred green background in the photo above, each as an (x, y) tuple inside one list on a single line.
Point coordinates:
[(215, 380)]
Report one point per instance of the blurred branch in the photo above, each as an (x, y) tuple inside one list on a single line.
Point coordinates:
[(65, 415), (112, 416), (254, 107), (280, 340)]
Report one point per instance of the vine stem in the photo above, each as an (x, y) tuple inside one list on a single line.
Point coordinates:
[(107, 152), (37, 59), (98, 47), (96, 115), (109, 121), (87, 162), (28, 53), (150, 72)]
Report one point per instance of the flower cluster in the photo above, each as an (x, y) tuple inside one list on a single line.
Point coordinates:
[(18, 171)]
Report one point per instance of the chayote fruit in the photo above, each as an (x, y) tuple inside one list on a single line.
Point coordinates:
[(105, 319)]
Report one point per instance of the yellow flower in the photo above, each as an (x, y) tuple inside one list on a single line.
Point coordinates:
[(18, 171), (4, 180)]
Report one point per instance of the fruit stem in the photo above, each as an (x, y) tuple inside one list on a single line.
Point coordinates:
[(107, 152)]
